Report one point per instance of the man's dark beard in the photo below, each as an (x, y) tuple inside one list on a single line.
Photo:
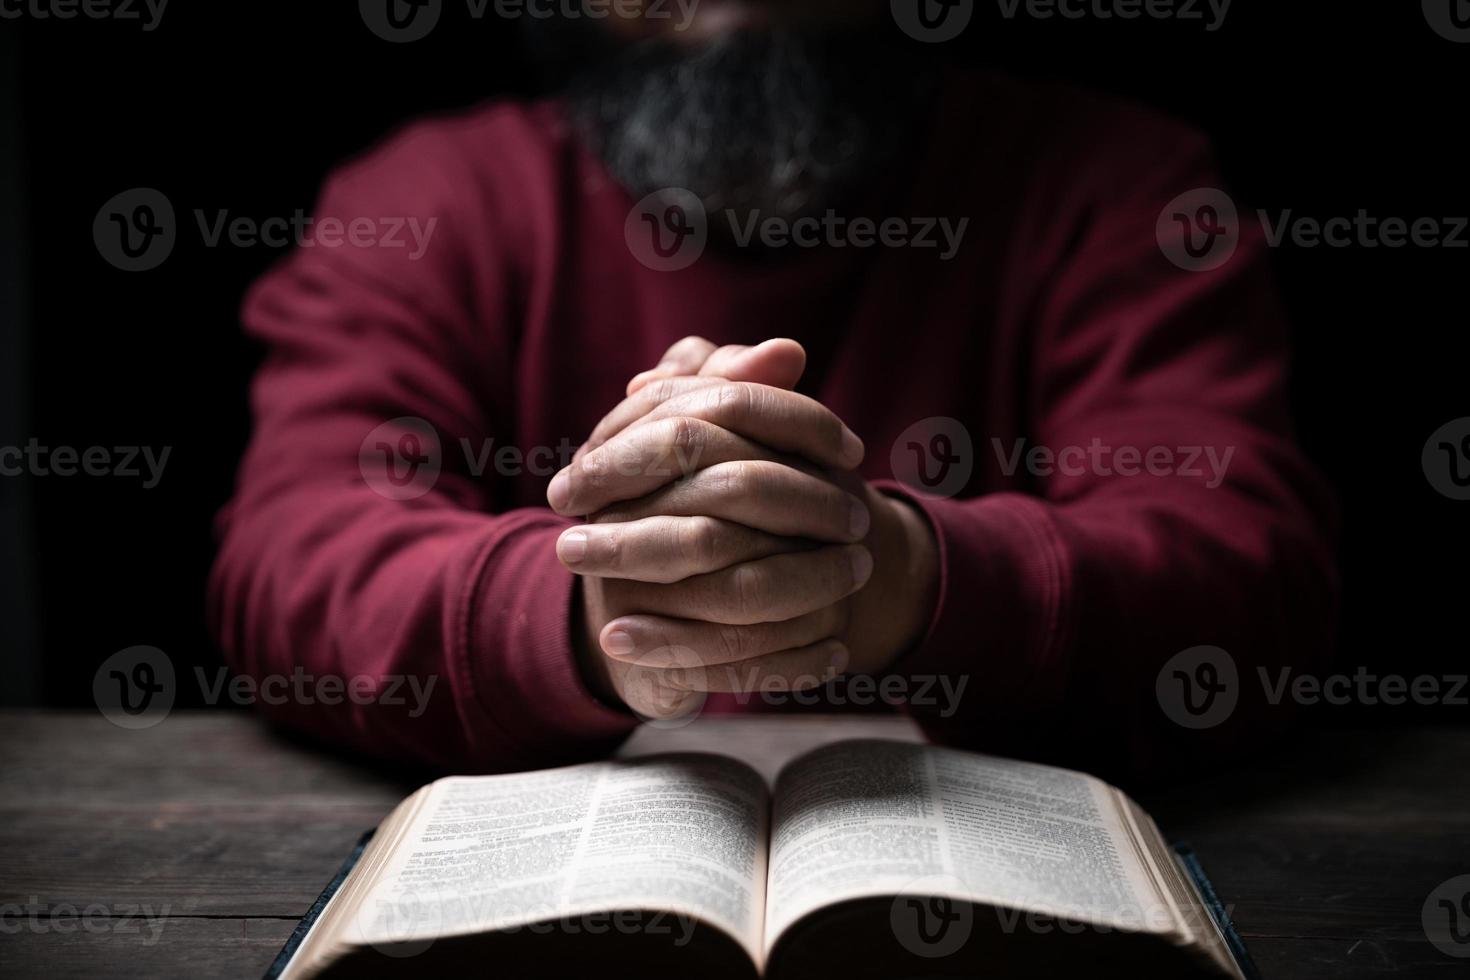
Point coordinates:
[(785, 121)]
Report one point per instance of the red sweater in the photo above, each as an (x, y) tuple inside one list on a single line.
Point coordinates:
[(1059, 322)]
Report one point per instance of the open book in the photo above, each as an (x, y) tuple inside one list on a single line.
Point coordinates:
[(869, 858)]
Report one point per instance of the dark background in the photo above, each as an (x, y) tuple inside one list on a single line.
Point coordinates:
[(246, 106)]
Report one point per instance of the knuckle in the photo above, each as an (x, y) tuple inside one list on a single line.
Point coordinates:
[(735, 401), (613, 548), (733, 643), (687, 436), (742, 478), (660, 391), (747, 591), (594, 468), (701, 541), (720, 481)]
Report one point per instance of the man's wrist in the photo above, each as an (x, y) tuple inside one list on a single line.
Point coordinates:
[(590, 660), (920, 572), (893, 613)]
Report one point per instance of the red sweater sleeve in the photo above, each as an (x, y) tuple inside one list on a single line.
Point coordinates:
[(1064, 603), (457, 616)]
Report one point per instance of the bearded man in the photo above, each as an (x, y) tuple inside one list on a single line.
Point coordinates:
[(945, 387)]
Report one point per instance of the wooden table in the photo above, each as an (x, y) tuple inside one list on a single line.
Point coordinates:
[(224, 832)]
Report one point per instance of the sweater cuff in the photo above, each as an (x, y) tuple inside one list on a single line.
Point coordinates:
[(1000, 614), (521, 659)]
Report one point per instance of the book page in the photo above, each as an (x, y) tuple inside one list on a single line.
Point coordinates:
[(678, 834), (876, 818)]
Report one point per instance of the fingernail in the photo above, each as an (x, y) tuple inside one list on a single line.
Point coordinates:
[(858, 519), (559, 494), (618, 644), (573, 547), (853, 450), (862, 565)]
